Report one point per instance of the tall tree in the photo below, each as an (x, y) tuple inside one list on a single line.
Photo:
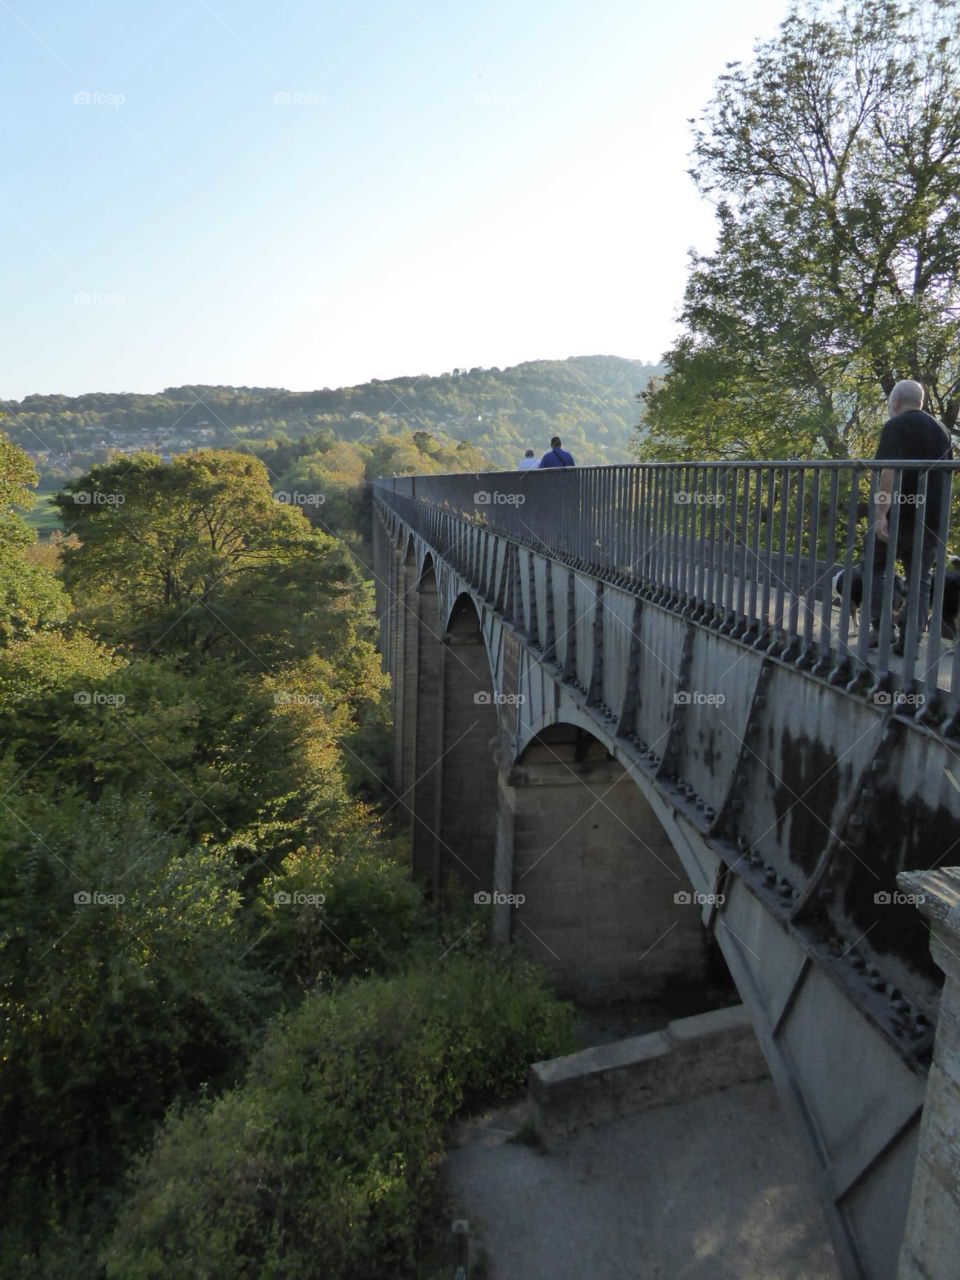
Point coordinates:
[(197, 556), (834, 161)]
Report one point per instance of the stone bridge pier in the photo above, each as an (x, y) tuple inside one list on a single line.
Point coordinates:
[(598, 876)]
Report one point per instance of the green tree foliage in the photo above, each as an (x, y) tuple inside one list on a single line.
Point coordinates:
[(179, 771), (30, 595), (834, 162), (190, 742), (196, 555), (110, 1007), (328, 1151)]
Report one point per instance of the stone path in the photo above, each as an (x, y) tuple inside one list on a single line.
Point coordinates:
[(714, 1189)]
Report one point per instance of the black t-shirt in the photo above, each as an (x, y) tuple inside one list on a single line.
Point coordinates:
[(916, 434)]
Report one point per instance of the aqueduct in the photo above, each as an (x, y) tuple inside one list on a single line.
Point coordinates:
[(635, 729)]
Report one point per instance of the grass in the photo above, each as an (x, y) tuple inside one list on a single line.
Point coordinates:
[(44, 516)]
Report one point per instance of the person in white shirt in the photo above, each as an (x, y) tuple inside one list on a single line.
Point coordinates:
[(528, 461)]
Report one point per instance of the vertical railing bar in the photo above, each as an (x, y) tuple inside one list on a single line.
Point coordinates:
[(830, 553), (676, 525), (702, 525), (850, 543), (712, 535), (659, 529), (886, 606), (689, 537), (754, 566), (785, 475), (796, 560), (732, 481), (768, 553), (869, 556), (913, 615), (645, 527), (813, 561), (935, 633), (744, 483)]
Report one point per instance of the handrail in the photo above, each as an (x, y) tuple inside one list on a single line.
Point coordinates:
[(752, 549)]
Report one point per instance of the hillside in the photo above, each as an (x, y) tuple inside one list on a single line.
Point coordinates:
[(588, 400)]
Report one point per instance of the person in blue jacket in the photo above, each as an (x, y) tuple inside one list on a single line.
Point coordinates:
[(557, 457)]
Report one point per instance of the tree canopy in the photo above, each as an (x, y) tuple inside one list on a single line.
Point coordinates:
[(833, 159)]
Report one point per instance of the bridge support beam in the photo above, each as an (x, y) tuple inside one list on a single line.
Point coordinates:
[(931, 1246)]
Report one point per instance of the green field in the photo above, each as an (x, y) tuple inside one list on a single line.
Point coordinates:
[(44, 517)]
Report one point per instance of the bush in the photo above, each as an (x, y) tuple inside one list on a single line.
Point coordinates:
[(342, 915), (325, 1158), (110, 1011)]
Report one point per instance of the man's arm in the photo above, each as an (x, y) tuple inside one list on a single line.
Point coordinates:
[(890, 448), (883, 500)]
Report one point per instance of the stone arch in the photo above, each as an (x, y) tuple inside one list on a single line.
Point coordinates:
[(607, 905)]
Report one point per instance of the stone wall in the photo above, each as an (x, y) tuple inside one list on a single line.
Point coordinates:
[(599, 877)]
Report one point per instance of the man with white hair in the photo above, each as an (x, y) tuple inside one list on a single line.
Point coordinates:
[(908, 434)]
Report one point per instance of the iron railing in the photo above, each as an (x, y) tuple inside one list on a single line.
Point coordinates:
[(753, 549)]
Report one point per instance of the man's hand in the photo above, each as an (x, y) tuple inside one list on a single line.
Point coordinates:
[(882, 500)]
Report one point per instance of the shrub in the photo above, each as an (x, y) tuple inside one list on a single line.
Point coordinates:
[(370, 916), (110, 1009), (323, 1161)]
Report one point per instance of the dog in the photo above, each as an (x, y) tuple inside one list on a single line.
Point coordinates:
[(950, 621), (856, 593)]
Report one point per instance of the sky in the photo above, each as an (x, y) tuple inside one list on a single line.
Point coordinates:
[(300, 195)]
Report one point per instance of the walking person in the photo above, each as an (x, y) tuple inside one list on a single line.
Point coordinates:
[(909, 433), (557, 456)]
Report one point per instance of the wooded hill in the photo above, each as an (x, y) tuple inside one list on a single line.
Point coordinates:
[(590, 401)]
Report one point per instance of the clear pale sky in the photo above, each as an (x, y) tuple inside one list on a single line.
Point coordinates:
[(284, 193)]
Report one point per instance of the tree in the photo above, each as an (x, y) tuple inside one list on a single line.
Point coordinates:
[(18, 475), (835, 161), (31, 596), (197, 556)]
